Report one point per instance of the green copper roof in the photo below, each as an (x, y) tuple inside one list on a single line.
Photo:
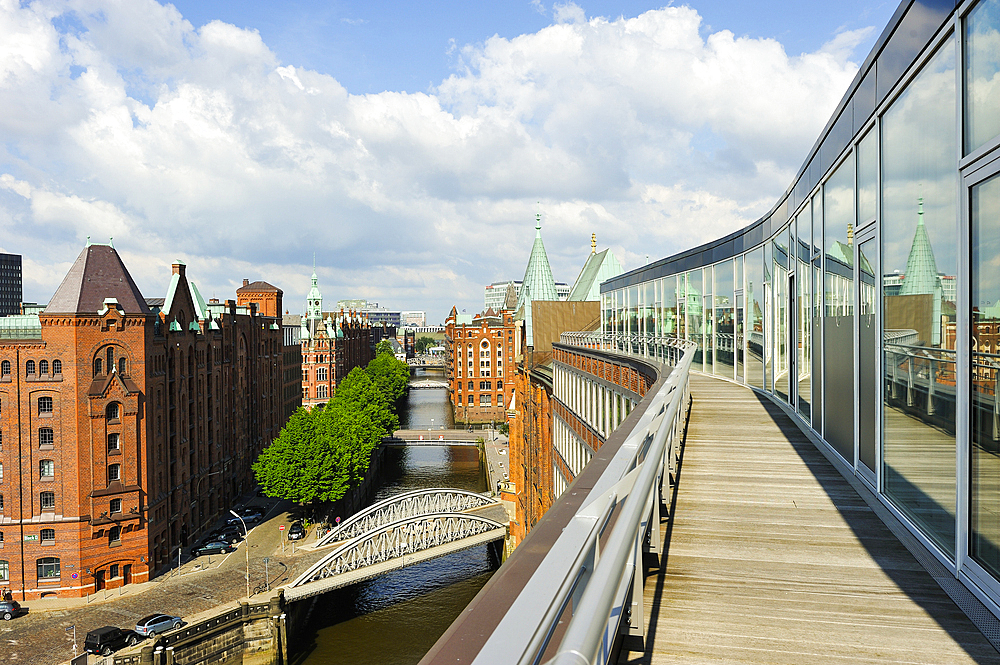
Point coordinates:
[(921, 274), (538, 283), (314, 301), (599, 267)]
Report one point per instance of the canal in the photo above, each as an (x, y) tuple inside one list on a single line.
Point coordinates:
[(396, 618)]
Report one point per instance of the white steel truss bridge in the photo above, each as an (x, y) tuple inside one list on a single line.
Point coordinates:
[(400, 531)]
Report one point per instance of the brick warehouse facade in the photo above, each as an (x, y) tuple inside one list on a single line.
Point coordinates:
[(480, 364), (128, 426)]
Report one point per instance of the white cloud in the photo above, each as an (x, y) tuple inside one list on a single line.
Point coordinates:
[(122, 119)]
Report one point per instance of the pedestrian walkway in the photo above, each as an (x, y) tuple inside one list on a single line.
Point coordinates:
[(773, 557)]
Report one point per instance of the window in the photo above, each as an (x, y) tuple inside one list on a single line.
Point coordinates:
[(48, 568), (111, 358), (1, 503), (321, 392), (97, 367), (46, 437), (305, 376), (486, 400), (57, 367), (29, 367), (48, 535), (47, 500), (116, 505), (4, 566), (305, 393), (321, 374), (472, 399), (121, 366), (43, 367), (115, 536), (1, 472), (5, 368), (46, 468), (112, 411), (471, 385), (114, 442), (113, 571), (44, 405), (114, 472)]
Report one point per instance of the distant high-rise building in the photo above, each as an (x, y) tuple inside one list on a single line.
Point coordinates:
[(413, 319), (497, 291), (10, 284)]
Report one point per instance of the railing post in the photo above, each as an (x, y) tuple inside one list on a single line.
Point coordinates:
[(931, 380)]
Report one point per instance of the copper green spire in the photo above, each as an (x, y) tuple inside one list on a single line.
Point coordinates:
[(538, 283)]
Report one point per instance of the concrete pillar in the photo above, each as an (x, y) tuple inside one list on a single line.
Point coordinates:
[(170, 656), (146, 655), (158, 656), (283, 634)]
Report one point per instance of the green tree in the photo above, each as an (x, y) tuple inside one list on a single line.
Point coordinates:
[(424, 343), (385, 346), (359, 392), (390, 376)]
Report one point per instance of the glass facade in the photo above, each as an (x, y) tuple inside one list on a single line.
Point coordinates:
[(868, 300)]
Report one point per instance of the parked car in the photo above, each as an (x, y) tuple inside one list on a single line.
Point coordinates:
[(296, 531), (228, 534), (250, 516), (214, 547), (155, 624), (108, 639), (10, 609)]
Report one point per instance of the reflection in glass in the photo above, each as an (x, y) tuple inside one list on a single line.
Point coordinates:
[(669, 322), (982, 74), (838, 324), (985, 426), (754, 292), (803, 317), (867, 352), (725, 338), (817, 315), (780, 290), (867, 177), (709, 331), (919, 264), (692, 293), (768, 320), (648, 309), (739, 318)]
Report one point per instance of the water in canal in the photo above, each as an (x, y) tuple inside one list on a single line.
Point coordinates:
[(396, 618)]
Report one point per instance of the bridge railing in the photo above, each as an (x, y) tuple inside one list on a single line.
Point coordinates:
[(575, 583)]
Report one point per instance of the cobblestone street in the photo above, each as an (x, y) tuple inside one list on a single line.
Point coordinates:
[(45, 636)]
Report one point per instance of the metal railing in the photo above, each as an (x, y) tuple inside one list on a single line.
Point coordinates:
[(591, 578)]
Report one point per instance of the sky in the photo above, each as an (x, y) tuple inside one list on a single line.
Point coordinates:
[(407, 146)]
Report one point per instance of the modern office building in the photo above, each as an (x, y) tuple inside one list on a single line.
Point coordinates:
[(10, 284), (496, 293), (413, 319), (867, 301)]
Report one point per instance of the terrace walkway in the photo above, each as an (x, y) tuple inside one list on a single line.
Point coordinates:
[(773, 557)]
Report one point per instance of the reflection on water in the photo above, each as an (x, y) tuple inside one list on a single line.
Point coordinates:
[(396, 618), (428, 407)]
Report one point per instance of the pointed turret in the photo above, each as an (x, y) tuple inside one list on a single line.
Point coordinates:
[(98, 273), (538, 283), (921, 274)]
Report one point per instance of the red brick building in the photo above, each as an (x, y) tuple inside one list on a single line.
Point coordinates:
[(128, 426), (480, 364)]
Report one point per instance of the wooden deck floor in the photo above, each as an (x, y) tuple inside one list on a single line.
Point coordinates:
[(774, 558)]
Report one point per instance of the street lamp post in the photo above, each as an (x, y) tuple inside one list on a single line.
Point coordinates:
[(246, 541)]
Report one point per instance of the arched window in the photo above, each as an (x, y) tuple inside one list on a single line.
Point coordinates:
[(115, 534), (111, 357), (46, 468), (48, 535), (43, 367), (57, 367), (121, 366), (46, 437), (47, 500), (5, 368), (44, 405), (97, 367), (48, 567), (112, 411), (29, 367)]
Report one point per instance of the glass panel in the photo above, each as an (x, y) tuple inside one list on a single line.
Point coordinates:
[(982, 74), (670, 307), (803, 317), (919, 262), (648, 315), (632, 325), (725, 340), (754, 290), (817, 316), (768, 338), (682, 306), (695, 325), (867, 177), (985, 426), (709, 321), (867, 342), (739, 319), (780, 290), (838, 325)]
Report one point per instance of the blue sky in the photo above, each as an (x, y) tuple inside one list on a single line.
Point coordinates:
[(407, 46), (408, 145)]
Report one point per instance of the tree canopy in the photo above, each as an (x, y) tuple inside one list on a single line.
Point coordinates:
[(322, 453), (424, 342)]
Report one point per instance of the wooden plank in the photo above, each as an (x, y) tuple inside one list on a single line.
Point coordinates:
[(774, 558)]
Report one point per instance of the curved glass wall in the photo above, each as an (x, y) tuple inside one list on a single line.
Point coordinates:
[(858, 297)]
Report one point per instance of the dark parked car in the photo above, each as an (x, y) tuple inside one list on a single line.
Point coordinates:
[(296, 531), (155, 624), (216, 547), (10, 609), (105, 641), (228, 534)]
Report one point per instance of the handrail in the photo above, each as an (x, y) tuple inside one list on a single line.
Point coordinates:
[(575, 576)]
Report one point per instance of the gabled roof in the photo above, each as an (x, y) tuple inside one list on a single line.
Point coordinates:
[(600, 266), (98, 273), (259, 286)]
